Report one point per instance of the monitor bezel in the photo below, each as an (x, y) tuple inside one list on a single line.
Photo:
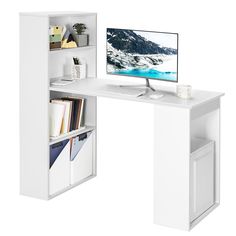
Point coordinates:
[(142, 77)]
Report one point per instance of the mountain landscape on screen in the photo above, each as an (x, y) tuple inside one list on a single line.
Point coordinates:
[(141, 53)]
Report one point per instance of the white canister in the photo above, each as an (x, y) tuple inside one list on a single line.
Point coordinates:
[(78, 71), (184, 91)]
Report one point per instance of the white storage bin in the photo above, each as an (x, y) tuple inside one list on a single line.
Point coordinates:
[(59, 172), (82, 157), (202, 176)]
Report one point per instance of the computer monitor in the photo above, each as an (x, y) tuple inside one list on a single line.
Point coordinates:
[(144, 54)]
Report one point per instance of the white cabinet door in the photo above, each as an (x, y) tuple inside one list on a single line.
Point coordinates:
[(202, 180)]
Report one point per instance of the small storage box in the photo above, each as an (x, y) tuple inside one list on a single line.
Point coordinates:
[(56, 29), (81, 157), (202, 176), (54, 38), (55, 45), (59, 172)]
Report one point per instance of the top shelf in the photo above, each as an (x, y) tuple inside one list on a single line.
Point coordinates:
[(58, 14), (72, 49)]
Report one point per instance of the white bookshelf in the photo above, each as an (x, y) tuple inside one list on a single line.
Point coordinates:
[(38, 66)]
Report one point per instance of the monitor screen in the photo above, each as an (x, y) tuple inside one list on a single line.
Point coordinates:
[(146, 54)]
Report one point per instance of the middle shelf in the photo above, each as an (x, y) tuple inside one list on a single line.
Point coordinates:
[(71, 134)]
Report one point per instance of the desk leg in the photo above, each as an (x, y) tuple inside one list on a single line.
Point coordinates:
[(171, 166)]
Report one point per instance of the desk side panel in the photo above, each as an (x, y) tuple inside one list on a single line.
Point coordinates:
[(34, 98), (171, 166)]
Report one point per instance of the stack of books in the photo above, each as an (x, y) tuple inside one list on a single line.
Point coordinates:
[(66, 115)]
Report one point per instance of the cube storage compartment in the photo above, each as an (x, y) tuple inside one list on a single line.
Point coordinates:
[(71, 161), (202, 176), (81, 157), (59, 172)]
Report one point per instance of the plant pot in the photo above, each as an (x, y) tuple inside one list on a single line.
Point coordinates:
[(81, 39)]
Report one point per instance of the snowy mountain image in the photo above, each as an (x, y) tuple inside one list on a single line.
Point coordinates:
[(142, 53)]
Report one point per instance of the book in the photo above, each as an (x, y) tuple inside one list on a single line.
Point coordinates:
[(76, 113), (80, 113), (56, 113), (66, 115), (72, 114), (65, 128), (76, 110)]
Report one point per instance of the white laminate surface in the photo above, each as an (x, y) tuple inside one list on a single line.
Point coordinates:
[(100, 87)]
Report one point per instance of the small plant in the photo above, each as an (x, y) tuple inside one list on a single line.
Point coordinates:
[(79, 28)]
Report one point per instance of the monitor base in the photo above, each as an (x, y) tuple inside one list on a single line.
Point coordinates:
[(147, 85), (149, 92)]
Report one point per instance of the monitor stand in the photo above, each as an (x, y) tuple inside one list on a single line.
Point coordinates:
[(147, 88)]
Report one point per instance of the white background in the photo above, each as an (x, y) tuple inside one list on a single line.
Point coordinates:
[(119, 200)]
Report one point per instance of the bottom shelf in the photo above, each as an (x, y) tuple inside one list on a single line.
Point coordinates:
[(203, 215), (71, 186)]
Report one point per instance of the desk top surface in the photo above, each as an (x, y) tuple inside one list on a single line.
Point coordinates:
[(98, 87)]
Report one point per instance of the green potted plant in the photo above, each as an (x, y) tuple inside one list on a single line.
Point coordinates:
[(79, 36)]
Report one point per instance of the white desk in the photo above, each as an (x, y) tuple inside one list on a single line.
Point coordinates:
[(186, 169), (97, 87), (184, 191)]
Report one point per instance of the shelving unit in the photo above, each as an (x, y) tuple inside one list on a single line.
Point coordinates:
[(39, 66)]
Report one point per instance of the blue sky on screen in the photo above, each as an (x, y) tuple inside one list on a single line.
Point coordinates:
[(163, 39)]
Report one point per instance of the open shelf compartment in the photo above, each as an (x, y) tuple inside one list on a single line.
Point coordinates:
[(204, 165)]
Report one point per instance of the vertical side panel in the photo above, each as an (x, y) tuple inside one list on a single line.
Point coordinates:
[(171, 166), (34, 98)]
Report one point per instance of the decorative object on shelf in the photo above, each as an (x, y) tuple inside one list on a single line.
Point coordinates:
[(184, 91), (68, 40), (55, 45), (80, 37), (55, 36), (57, 29), (78, 70)]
